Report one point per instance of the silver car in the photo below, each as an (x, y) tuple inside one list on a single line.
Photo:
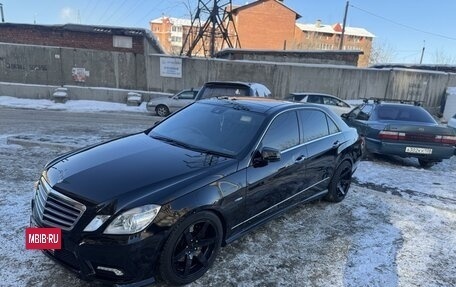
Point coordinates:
[(334, 103), (163, 106)]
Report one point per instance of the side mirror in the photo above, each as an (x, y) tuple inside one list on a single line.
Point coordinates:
[(344, 116), (266, 155), (270, 154)]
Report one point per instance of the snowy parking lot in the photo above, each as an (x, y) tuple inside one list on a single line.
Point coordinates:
[(397, 226)]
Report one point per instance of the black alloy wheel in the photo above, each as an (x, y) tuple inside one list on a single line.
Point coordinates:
[(162, 110), (340, 182), (191, 248)]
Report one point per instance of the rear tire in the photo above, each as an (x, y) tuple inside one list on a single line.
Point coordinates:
[(426, 163), (340, 182), (191, 248)]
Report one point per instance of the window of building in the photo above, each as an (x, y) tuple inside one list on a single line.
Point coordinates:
[(176, 39), (122, 42)]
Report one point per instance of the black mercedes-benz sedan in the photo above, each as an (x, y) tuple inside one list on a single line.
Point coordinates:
[(160, 203)]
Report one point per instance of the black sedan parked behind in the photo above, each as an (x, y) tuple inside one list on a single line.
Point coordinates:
[(403, 130), (160, 203)]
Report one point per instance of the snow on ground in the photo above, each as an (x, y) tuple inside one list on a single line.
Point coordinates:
[(395, 228), (435, 185), (71, 105)]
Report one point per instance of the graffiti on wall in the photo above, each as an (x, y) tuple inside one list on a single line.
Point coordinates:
[(13, 66)]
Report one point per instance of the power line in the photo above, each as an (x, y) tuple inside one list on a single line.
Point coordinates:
[(117, 10), (105, 13), (129, 11), (403, 25), (152, 10), (91, 11)]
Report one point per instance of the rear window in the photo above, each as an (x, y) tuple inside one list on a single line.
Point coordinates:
[(224, 91), (404, 113)]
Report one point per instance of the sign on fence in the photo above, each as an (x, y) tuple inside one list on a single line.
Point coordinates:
[(170, 67)]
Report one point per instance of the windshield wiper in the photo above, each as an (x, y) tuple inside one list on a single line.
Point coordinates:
[(208, 151), (170, 141), (191, 147)]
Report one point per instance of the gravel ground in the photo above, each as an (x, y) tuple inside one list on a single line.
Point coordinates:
[(395, 228)]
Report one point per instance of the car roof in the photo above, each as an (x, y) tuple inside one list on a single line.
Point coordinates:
[(310, 93), (254, 104), (262, 105), (394, 105), (228, 83), (317, 94)]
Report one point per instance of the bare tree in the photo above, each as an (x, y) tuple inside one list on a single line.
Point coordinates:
[(381, 52), (441, 57)]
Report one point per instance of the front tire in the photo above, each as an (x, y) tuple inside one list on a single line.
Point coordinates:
[(162, 110), (340, 182), (191, 248)]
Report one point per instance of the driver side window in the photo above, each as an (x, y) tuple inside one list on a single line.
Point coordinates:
[(283, 133)]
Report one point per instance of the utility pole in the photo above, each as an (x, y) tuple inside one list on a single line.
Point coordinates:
[(422, 51), (215, 32), (341, 44), (1, 12)]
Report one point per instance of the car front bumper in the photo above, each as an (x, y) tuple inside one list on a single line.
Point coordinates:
[(123, 260), (439, 152)]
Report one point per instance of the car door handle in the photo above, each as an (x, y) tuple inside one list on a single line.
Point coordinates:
[(300, 158)]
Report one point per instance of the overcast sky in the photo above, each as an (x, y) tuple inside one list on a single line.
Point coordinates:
[(403, 27)]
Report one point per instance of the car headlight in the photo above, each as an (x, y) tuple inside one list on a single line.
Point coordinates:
[(133, 220), (96, 222)]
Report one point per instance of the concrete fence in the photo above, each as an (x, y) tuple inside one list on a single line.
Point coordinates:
[(45, 65), (284, 78), (116, 73)]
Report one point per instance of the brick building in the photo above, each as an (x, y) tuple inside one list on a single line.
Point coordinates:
[(258, 28), (171, 33), (115, 39), (271, 25), (326, 37)]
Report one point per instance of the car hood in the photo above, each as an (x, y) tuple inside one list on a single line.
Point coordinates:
[(133, 166)]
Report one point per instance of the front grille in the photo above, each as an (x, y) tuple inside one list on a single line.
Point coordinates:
[(55, 209)]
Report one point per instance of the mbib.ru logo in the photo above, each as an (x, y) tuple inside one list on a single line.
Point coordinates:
[(43, 238)]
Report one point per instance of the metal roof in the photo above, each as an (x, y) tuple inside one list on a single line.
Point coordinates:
[(352, 31), (173, 20)]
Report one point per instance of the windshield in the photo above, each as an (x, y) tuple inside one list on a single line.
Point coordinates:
[(404, 113), (221, 129)]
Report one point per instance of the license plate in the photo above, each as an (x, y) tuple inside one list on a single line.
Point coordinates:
[(419, 150)]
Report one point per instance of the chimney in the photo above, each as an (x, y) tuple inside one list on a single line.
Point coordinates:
[(318, 23)]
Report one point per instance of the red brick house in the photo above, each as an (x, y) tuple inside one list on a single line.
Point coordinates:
[(271, 25), (139, 41)]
